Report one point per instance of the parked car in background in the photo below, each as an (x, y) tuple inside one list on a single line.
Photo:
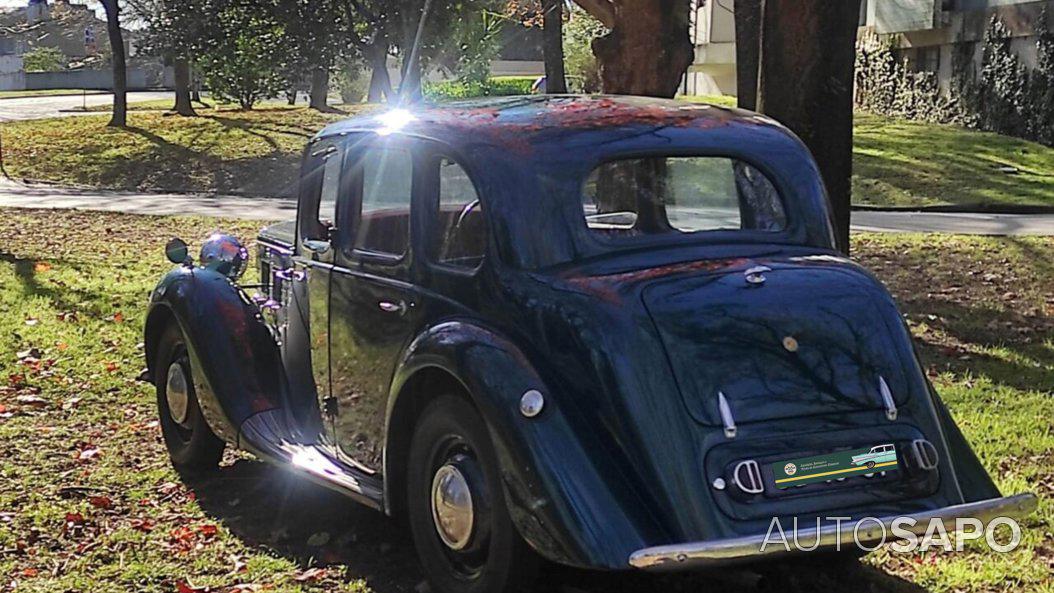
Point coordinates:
[(586, 329)]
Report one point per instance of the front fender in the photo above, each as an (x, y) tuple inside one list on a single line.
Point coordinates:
[(565, 500), (237, 368)]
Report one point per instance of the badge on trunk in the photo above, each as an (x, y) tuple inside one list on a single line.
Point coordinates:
[(842, 464)]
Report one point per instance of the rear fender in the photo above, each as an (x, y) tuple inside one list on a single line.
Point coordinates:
[(237, 369), (561, 501)]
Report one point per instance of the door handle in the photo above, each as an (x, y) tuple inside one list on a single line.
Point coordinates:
[(390, 307)]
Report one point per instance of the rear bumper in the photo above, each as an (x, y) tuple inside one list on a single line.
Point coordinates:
[(724, 551)]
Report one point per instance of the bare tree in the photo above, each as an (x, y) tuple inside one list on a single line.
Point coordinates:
[(805, 81), (748, 51), (553, 46), (648, 49), (120, 65)]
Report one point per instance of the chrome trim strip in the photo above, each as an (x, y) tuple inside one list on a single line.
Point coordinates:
[(716, 552), (887, 399), (726, 416)]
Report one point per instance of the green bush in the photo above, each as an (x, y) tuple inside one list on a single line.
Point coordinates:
[(44, 59), (499, 86)]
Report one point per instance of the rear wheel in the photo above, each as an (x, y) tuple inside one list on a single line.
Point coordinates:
[(461, 527), (191, 444)]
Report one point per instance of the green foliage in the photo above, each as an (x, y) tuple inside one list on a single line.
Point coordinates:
[(499, 86), (478, 39), (1003, 96), (352, 82), (246, 61), (44, 59), (583, 72)]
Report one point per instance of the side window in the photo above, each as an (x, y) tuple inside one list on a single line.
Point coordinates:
[(322, 187), (327, 203), (387, 184), (460, 233)]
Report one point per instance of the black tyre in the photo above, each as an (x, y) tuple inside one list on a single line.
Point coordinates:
[(456, 509), (870, 465), (191, 444)]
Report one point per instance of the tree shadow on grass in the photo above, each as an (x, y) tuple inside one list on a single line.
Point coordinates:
[(67, 299), (273, 508), (252, 175)]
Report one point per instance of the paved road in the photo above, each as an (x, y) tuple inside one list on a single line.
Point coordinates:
[(58, 106), (42, 196)]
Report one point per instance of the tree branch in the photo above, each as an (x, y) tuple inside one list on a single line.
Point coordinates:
[(602, 10)]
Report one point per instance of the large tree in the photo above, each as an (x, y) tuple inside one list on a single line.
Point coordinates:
[(553, 46), (647, 50), (175, 30), (803, 52), (119, 119), (315, 37)]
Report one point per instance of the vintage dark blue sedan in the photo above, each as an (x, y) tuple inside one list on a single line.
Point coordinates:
[(608, 332)]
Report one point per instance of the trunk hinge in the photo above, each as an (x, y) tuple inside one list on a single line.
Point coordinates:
[(726, 416), (887, 399)]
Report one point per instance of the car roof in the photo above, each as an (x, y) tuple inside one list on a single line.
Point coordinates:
[(524, 123)]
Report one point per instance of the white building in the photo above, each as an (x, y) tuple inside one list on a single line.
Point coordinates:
[(930, 33)]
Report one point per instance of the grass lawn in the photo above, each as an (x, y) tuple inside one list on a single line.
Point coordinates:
[(88, 501), (897, 162), (905, 163), (255, 152)]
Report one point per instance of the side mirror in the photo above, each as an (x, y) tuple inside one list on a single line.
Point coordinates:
[(176, 251)]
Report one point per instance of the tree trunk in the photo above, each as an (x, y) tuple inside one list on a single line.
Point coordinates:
[(648, 49), (553, 46), (290, 96), (806, 82), (181, 69), (380, 82), (748, 50), (320, 88), (120, 74)]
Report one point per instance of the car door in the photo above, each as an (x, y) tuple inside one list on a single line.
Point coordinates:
[(313, 259), (372, 301)]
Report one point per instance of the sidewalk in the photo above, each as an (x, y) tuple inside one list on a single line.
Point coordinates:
[(17, 195)]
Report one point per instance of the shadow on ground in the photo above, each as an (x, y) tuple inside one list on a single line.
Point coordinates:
[(270, 507)]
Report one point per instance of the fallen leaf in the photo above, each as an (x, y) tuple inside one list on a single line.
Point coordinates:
[(88, 453), (111, 366), (144, 525), (101, 502), (32, 400), (310, 575), (30, 572), (183, 586), (41, 266)]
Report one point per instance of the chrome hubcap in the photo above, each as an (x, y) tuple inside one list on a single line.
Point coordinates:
[(452, 508), (177, 393)]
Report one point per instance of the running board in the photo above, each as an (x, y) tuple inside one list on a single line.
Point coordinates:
[(268, 435)]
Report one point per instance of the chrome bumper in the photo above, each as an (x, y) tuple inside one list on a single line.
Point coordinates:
[(710, 553)]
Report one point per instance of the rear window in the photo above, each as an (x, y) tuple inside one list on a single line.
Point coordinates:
[(679, 195)]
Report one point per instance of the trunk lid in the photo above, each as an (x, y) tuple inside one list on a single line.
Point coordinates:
[(814, 337)]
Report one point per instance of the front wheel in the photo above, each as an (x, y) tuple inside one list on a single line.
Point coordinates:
[(461, 527), (191, 444)]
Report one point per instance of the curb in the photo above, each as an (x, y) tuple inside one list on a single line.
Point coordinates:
[(961, 209)]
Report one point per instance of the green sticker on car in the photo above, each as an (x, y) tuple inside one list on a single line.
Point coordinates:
[(821, 468)]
